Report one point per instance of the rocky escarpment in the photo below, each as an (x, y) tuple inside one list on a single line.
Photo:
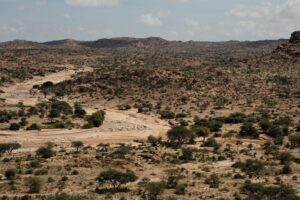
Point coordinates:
[(295, 38), (292, 48)]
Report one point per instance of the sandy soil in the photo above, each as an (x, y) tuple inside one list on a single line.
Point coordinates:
[(20, 92), (119, 126)]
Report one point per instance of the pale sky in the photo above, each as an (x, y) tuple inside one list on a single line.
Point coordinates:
[(202, 20)]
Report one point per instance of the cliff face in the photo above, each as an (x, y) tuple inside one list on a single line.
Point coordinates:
[(292, 48)]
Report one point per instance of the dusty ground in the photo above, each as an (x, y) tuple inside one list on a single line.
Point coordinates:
[(118, 126)]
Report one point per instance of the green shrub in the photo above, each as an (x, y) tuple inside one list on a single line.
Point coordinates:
[(286, 169), (97, 118), (215, 125), (62, 107), (34, 185), (66, 197), (87, 126), (154, 189), (275, 131), (295, 140), (187, 154), (154, 141), (180, 189), (79, 111), (235, 118), (265, 125), (251, 167), (33, 126), (45, 152), (248, 130), (259, 191), (166, 114), (211, 142), (285, 158), (181, 115)]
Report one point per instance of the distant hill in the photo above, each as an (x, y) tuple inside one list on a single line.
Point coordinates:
[(134, 42)]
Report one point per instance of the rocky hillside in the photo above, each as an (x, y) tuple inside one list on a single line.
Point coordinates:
[(291, 48)]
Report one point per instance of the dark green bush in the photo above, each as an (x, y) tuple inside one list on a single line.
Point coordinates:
[(45, 152), (248, 130), (79, 111), (97, 118), (14, 127)]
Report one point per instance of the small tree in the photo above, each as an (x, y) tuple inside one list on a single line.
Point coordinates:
[(154, 189), (116, 178), (77, 145), (202, 132), (9, 147), (179, 135)]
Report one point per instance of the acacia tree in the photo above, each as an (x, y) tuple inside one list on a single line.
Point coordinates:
[(202, 132), (9, 147), (180, 135), (116, 178)]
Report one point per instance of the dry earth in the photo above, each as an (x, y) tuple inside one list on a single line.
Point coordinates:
[(118, 126)]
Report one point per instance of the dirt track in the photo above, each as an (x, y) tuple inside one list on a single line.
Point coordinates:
[(118, 126)]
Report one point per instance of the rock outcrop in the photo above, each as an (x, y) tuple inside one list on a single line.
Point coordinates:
[(295, 38), (292, 48)]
